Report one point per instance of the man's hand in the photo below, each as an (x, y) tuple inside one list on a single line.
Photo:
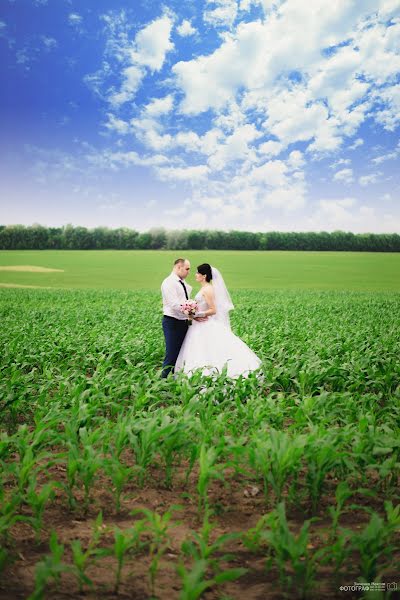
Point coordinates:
[(200, 319)]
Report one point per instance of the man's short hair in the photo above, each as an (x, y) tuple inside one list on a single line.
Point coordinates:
[(179, 261)]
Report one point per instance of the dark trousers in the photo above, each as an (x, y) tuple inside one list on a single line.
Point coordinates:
[(174, 333)]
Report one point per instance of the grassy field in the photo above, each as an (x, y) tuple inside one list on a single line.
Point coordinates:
[(252, 270)]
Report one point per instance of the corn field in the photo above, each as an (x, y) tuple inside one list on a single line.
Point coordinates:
[(115, 483)]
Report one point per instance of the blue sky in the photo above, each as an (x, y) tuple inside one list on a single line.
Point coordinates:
[(231, 114)]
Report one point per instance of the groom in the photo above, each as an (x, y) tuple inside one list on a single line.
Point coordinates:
[(174, 292)]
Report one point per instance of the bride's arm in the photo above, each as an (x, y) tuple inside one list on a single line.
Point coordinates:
[(210, 299)]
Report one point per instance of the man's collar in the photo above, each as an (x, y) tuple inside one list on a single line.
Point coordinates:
[(176, 276)]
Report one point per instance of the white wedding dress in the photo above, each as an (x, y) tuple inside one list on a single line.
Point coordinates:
[(210, 345)]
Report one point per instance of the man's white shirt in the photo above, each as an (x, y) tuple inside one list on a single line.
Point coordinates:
[(173, 295)]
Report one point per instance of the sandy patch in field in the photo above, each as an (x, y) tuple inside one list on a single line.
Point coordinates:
[(30, 269), (17, 285)]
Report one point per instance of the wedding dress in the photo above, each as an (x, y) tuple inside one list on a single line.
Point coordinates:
[(210, 345)]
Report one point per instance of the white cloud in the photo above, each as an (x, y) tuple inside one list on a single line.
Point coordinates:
[(296, 159), (152, 44), (358, 142), (345, 175), (176, 174), (386, 197), (389, 116), (384, 157), (269, 86), (270, 174), (75, 19), (49, 42), (270, 148), (235, 147), (339, 162), (159, 106), (222, 13), (133, 76), (345, 214), (186, 29), (118, 125), (365, 180), (114, 160), (334, 212), (147, 52)]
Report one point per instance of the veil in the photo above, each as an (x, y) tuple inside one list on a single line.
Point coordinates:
[(223, 302)]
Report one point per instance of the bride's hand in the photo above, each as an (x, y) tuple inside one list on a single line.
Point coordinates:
[(200, 319)]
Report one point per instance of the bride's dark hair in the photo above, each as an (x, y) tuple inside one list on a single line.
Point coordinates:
[(205, 269)]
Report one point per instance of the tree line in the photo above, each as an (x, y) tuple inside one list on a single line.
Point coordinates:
[(69, 237)]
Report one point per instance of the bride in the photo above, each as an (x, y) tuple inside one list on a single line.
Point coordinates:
[(210, 343)]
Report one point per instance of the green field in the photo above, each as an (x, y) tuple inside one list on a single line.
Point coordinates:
[(115, 483), (133, 269)]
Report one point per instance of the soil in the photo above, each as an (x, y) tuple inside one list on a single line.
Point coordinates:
[(30, 269)]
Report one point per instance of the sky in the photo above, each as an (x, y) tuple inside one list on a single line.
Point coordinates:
[(255, 115)]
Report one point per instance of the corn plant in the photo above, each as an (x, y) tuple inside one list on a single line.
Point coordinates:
[(342, 493), (83, 559), (288, 550), (321, 457), (9, 507), (37, 501), (8, 516), (195, 581), (50, 568), (338, 550), (205, 556), (83, 463), (174, 441), (208, 470), (277, 457), (144, 439), (119, 474), (124, 542), (375, 542), (157, 527)]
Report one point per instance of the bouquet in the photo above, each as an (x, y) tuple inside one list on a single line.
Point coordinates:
[(189, 308)]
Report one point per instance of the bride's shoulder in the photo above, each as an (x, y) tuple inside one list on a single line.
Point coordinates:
[(208, 290)]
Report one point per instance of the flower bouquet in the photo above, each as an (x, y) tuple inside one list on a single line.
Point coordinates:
[(189, 308)]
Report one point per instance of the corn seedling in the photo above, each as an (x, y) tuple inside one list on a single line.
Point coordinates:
[(157, 527), (290, 553), (124, 542), (50, 568), (208, 470), (119, 474), (83, 559), (37, 500)]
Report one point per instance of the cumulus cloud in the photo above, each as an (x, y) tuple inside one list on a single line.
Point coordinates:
[(132, 79), (152, 44), (365, 180), (344, 175), (118, 125), (159, 106), (220, 13), (183, 173), (186, 29), (49, 42), (243, 123), (75, 19), (135, 59)]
